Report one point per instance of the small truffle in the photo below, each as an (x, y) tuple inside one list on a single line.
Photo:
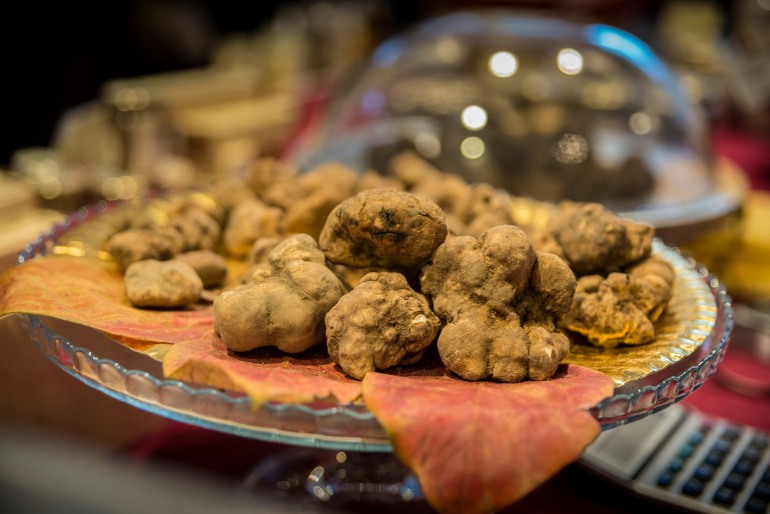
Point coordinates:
[(250, 221), (382, 322), (209, 265), (383, 228), (195, 229), (165, 284), (134, 245)]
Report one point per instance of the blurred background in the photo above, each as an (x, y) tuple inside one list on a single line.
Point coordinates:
[(180, 56), (104, 102)]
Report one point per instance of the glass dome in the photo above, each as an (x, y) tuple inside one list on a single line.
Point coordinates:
[(537, 105)]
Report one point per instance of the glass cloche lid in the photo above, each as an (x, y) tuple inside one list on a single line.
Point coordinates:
[(537, 105)]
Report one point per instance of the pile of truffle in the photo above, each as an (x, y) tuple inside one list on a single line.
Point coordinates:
[(380, 266)]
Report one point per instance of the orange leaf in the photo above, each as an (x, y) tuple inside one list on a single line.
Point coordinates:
[(265, 374), (91, 292), (479, 446)]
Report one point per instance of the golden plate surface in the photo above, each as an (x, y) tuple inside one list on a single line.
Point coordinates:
[(689, 318)]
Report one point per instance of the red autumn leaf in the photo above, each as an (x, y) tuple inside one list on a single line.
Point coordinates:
[(479, 446), (265, 374), (91, 292)]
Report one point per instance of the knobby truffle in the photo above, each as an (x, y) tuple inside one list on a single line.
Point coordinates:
[(382, 322), (284, 303), (383, 228), (188, 228), (623, 307), (501, 301), (622, 288)]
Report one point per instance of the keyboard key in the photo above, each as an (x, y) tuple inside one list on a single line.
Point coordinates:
[(676, 465), (731, 433), (693, 487), (756, 506), (704, 472), (666, 479), (696, 438), (686, 452), (735, 481), (762, 490), (714, 458), (725, 496), (752, 454), (722, 446), (743, 466)]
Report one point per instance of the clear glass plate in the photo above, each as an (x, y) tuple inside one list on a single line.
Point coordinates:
[(702, 334)]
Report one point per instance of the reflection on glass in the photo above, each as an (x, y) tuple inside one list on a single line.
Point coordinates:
[(503, 64), (558, 110), (474, 117), (570, 149), (449, 50), (605, 95), (569, 61), (472, 147), (640, 123)]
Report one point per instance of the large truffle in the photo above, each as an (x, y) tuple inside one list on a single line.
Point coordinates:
[(284, 303), (501, 301), (383, 228), (382, 322)]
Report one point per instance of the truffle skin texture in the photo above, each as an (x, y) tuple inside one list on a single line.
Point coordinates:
[(593, 239), (285, 302), (134, 245), (210, 266), (501, 301), (382, 322), (383, 228), (621, 308), (152, 283), (195, 228)]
